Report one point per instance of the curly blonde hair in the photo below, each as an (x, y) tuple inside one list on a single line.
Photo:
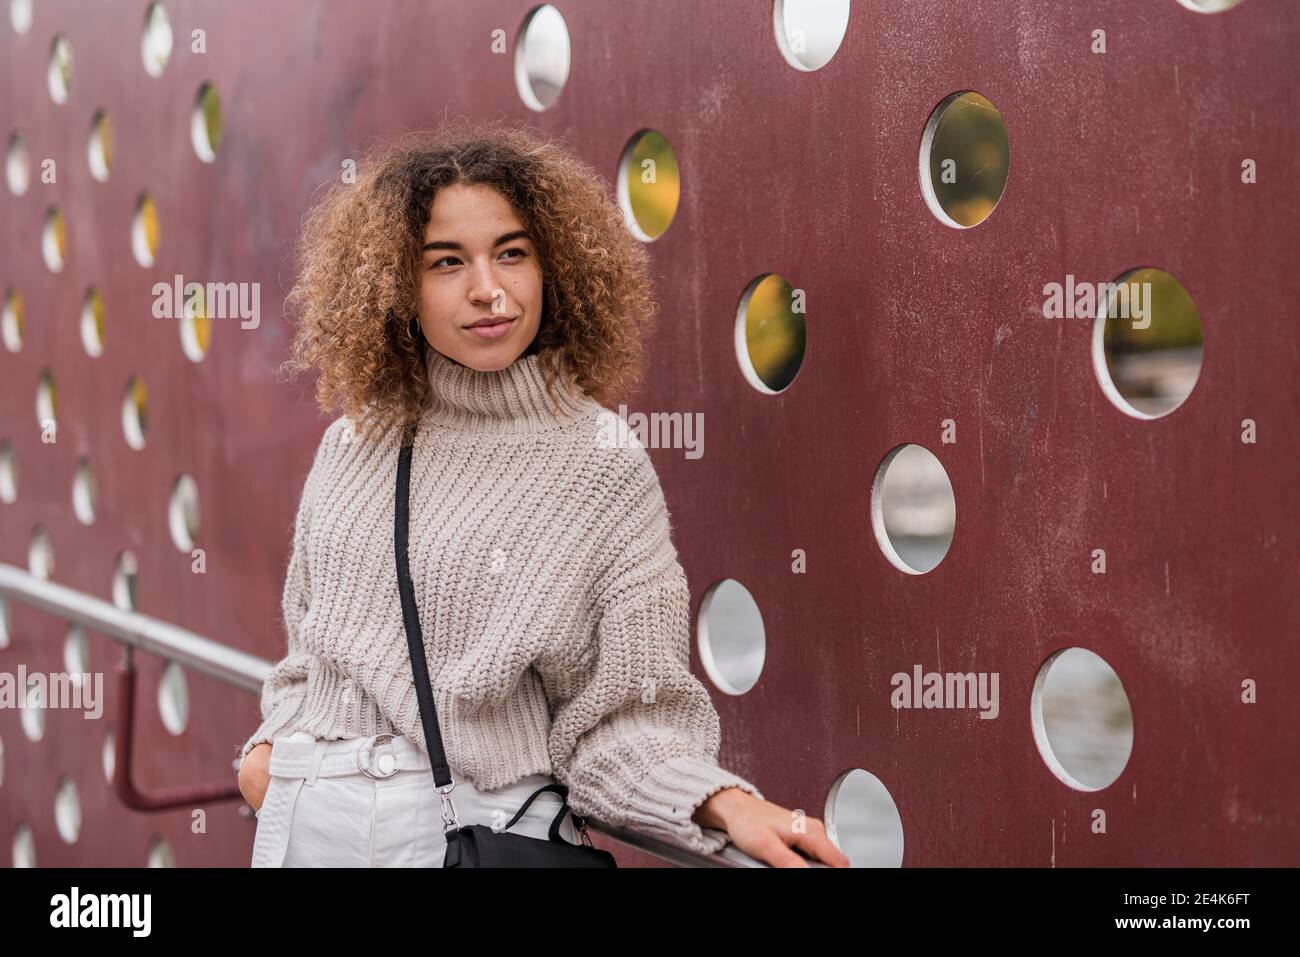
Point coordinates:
[(359, 277)]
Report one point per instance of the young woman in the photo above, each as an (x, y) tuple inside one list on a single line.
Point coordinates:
[(478, 285)]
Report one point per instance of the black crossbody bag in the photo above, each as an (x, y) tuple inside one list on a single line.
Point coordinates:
[(475, 845)]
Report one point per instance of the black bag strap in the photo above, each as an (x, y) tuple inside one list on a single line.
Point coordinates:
[(411, 618), (420, 668), (554, 832)]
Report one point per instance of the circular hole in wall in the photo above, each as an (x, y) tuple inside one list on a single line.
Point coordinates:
[(770, 333), (8, 473), (135, 412), (156, 41), (649, 184), (144, 231), (83, 492), (92, 323), (863, 820), (67, 810), (11, 321), (47, 400), (76, 653), (54, 239), (125, 573), (18, 165), (196, 326), (174, 698), (32, 717), (965, 159), (183, 512), (809, 32), (99, 153), (24, 847), (205, 123), (732, 640), (108, 755), (542, 57), (59, 73), (20, 15), (1209, 6), (1147, 343), (160, 853), (40, 554), (1082, 720), (913, 510)]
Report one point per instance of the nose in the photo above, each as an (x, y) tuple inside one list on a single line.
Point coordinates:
[(486, 290)]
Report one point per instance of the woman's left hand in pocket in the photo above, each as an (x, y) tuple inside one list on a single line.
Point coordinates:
[(255, 775)]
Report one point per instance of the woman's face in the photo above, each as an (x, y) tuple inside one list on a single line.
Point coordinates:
[(479, 265)]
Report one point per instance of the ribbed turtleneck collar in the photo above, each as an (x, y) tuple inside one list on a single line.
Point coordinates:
[(513, 399)]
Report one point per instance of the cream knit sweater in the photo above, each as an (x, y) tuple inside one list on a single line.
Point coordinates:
[(554, 610)]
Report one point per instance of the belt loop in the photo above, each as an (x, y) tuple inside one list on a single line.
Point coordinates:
[(317, 756)]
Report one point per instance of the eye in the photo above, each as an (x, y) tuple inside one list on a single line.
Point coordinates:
[(516, 249), (437, 262)]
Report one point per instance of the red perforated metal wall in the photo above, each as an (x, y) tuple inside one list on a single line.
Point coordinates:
[(1131, 158)]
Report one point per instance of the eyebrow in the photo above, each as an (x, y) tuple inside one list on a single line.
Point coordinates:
[(505, 238)]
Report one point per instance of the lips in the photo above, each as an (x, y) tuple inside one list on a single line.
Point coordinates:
[(491, 329), (490, 321)]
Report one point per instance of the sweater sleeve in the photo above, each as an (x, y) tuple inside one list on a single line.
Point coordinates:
[(637, 740), (285, 686)]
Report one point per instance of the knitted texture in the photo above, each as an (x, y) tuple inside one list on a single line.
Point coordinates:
[(554, 610)]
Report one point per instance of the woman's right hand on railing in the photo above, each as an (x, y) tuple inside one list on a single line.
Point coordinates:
[(255, 775)]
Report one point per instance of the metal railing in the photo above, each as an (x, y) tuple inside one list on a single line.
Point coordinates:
[(139, 632)]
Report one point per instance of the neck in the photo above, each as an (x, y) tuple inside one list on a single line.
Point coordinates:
[(513, 399)]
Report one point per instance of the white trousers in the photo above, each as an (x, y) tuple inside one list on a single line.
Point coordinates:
[(323, 810)]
